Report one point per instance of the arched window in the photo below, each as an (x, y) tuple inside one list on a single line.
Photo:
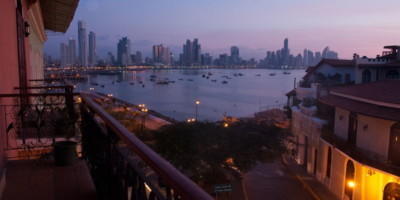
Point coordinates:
[(328, 163), (366, 76), (320, 78), (392, 74), (349, 181), (391, 191), (394, 144)]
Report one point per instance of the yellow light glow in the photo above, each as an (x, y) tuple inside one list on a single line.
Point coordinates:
[(351, 184), (226, 125), (197, 102)]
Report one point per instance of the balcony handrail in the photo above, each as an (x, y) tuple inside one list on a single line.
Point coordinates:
[(186, 188)]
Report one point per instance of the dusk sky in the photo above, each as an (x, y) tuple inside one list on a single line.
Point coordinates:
[(255, 26)]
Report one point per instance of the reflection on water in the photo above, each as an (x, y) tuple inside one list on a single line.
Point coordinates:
[(242, 95)]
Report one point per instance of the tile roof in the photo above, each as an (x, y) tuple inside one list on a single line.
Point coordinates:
[(332, 62), (362, 107), (387, 91)]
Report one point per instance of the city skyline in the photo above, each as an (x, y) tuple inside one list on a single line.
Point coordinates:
[(254, 26)]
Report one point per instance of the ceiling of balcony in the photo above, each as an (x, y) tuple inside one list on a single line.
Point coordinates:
[(58, 14)]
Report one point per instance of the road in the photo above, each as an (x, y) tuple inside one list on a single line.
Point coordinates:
[(274, 182)]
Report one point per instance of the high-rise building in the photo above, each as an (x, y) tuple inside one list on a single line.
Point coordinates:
[(124, 52), (65, 55), (110, 60), (191, 53), (235, 55), (82, 42), (196, 52), (139, 60), (285, 52), (187, 53), (92, 49), (157, 53), (72, 51), (161, 55)]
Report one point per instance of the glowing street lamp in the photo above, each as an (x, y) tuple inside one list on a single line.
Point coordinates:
[(351, 184), (197, 104), (144, 110)]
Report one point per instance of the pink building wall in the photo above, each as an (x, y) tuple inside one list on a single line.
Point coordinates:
[(9, 72)]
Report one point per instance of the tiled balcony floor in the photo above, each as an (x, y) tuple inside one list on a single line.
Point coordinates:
[(41, 179)]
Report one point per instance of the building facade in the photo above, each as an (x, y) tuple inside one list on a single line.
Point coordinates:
[(82, 43), (92, 49)]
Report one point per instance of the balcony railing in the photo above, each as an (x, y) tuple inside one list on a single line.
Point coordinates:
[(361, 155), (122, 166), (34, 119)]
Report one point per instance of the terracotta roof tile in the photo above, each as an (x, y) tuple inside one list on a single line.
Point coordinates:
[(387, 91), (362, 108)]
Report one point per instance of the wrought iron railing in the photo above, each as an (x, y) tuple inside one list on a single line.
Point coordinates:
[(35, 120), (122, 166), (361, 155)]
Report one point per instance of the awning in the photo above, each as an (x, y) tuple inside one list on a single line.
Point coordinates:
[(58, 14)]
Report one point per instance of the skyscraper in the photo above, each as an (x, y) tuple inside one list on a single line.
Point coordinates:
[(285, 52), (157, 53), (192, 53), (92, 49), (196, 52), (139, 60), (235, 55), (65, 55), (187, 53), (82, 40), (72, 51), (124, 52)]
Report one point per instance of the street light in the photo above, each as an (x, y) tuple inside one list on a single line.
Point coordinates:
[(197, 104), (144, 110)]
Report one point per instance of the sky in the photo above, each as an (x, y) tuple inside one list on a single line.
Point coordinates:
[(255, 26)]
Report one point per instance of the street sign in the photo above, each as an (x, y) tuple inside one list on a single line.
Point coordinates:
[(223, 188)]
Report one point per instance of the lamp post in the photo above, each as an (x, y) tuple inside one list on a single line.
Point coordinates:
[(197, 104), (144, 110)]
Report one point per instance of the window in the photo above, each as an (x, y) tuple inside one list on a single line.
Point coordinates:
[(392, 74), (391, 191), (349, 181), (366, 76), (328, 163), (352, 129)]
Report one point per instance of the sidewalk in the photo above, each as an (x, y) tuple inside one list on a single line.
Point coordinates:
[(316, 188)]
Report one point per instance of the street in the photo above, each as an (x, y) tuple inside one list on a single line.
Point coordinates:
[(274, 181)]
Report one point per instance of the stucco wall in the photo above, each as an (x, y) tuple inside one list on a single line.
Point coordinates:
[(341, 122), (373, 134)]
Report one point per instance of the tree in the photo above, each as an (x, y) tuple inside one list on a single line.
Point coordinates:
[(208, 152)]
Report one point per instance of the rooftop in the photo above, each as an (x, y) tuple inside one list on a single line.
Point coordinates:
[(386, 91)]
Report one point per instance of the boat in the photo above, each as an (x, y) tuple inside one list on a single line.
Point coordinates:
[(162, 82), (94, 83), (132, 83), (272, 74), (153, 76), (214, 80), (258, 74), (118, 81), (102, 86), (286, 72), (190, 79), (224, 82)]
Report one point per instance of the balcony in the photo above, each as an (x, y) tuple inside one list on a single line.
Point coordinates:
[(361, 155), (112, 160)]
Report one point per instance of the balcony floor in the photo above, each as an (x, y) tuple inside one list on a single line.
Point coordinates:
[(41, 179)]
